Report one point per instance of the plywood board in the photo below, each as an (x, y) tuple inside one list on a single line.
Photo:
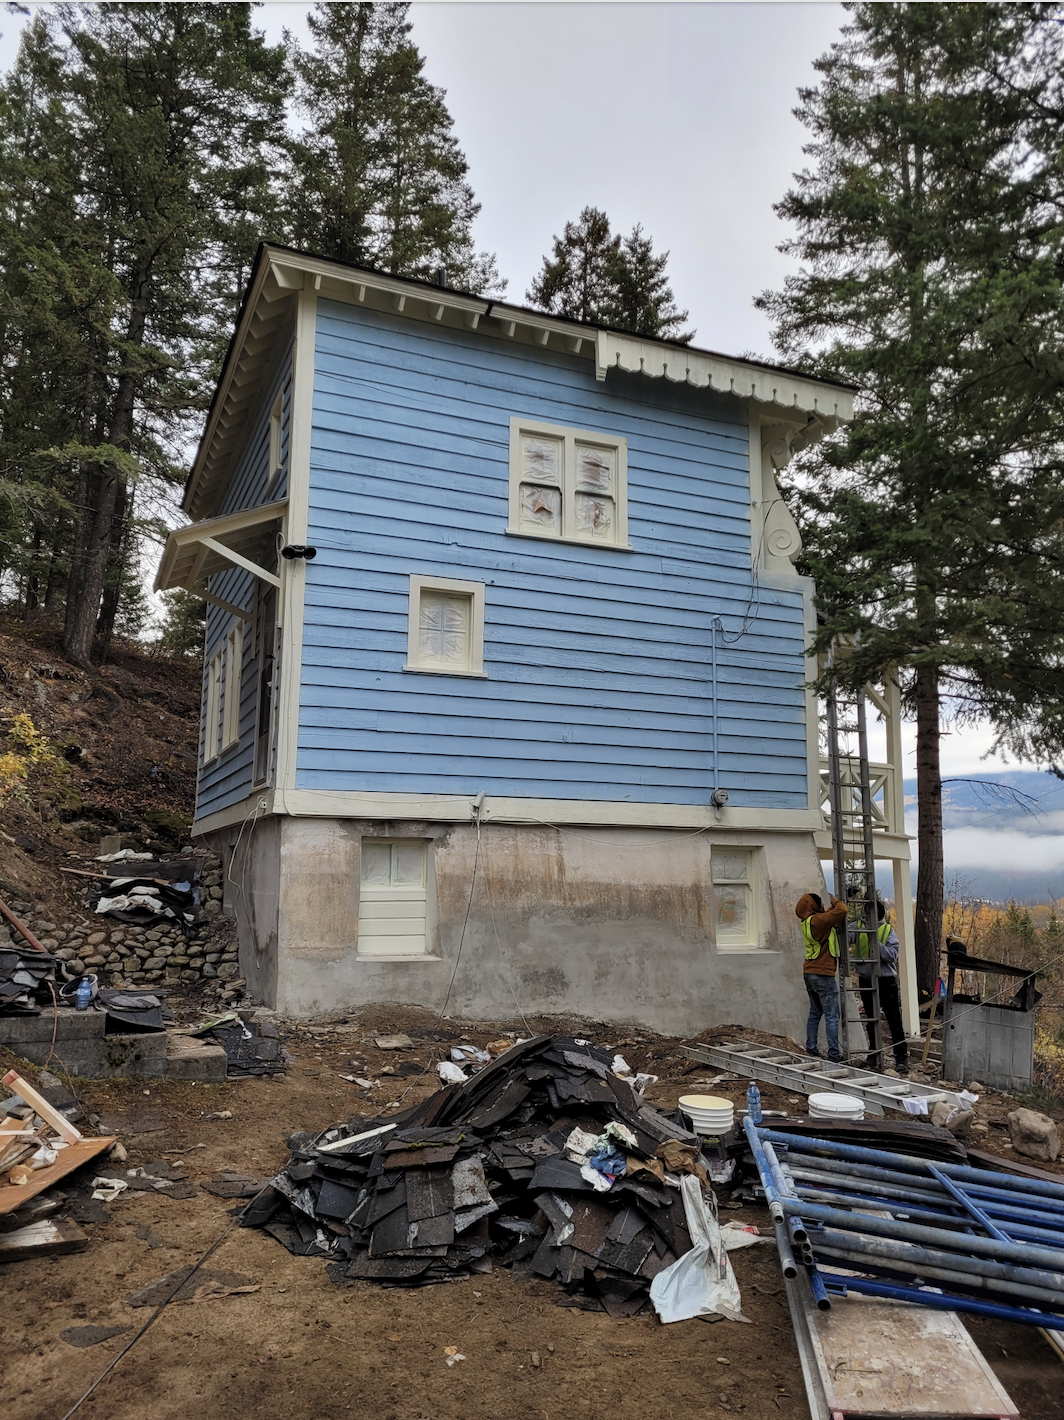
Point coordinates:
[(44, 1239), (881, 1358), (12, 1196)]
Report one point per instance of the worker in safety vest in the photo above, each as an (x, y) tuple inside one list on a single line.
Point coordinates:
[(889, 994), (820, 938)]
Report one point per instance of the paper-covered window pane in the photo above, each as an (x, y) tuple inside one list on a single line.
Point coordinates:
[(733, 913), (541, 508), (541, 459), (595, 469), (376, 863), (408, 864), (594, 516), (443, 627), (731, 867)]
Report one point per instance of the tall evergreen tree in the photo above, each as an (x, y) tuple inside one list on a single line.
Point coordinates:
[(378, 178), (931, 247), (151, 127), (596, 275)]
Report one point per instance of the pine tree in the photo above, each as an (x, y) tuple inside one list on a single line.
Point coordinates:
[(151, 132), (378, 177), (931, 254), (597, 276)]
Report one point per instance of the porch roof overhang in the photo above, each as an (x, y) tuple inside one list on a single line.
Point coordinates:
[(280, 273), (195, 553)]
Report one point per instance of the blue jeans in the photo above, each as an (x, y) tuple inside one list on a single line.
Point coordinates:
[(823, 993)]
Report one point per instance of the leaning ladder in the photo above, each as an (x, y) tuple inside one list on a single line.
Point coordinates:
[(853, 854)]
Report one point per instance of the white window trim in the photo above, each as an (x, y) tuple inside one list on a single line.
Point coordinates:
[(569, 437), (274, 468), (213, 707), (367, 893), (755, 882), (234, 675), (473, 590)]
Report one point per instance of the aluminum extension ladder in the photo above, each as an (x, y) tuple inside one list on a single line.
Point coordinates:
[(853, 855), (804, 1075)]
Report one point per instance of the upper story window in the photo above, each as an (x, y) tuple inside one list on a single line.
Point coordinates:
[(568, 484), (445, 632)]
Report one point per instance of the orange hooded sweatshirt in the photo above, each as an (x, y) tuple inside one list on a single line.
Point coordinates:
[(820, 925)]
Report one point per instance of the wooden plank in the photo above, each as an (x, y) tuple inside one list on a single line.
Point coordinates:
[(47, 1238), (12, 1196), (37, 1102), (891, 1359)]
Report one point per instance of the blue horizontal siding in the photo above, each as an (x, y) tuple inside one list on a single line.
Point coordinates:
[(597, 660), (227, 779)]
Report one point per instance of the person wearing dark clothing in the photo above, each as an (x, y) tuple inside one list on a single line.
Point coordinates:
[(820, 938), (889, 994)]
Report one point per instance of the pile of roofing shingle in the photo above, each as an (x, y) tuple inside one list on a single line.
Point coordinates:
[(492, 1170), (27, 979)]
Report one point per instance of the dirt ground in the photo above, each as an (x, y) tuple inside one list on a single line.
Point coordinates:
[(302, 1347)]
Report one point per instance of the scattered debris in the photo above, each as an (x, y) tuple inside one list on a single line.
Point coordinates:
[(91, 1335), (157, 1292), (488, 1170), (106, 1190), (45, 1239), (393, 1042)]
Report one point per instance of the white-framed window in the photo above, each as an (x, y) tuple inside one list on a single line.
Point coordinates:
[(445, 631), (570, 485), (736, 898), (393, 901), (211, 719), (273, 470), (234, 674)]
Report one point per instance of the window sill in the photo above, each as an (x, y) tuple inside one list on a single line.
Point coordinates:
[(727, 949), (572, 541), (433, 670), (424, 957)]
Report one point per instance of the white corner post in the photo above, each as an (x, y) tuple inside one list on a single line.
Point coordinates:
[(293, 586)]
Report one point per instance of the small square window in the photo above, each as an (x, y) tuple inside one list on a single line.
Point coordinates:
[(568, 484), (734, 872), (446, 627)]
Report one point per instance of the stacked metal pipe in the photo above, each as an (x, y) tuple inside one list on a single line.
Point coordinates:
[(940, 1235)]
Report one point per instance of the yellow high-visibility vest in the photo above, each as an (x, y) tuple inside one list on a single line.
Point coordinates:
[(812, 946), (861, 945)]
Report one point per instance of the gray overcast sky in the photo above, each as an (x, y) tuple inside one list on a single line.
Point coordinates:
[(678, 116)]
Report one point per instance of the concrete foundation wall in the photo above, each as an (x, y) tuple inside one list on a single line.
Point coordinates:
[(613, 924)]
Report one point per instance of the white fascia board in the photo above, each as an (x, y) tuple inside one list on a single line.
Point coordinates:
[(331, 280), (829, 403), (458, 808)]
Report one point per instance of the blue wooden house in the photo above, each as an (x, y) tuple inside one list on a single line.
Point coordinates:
[(505, 693)]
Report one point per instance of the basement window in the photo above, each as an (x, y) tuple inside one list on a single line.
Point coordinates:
[(393, 904), (569, 485), (445, 632), (736, 898)]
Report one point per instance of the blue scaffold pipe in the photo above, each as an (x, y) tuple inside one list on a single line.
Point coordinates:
[(907, 1274), (1009, 1196), (911, 1258), (900, 1163), (772, 1198), (939, 1301), (787, 1262), (819, 1291), (973, 1208), (796, 1229), (1022, 1255), (917, 1213)]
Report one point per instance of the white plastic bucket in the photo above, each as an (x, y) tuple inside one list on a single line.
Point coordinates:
[(835, 1106), (709, 1114)]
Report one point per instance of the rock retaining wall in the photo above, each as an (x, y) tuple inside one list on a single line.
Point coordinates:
[(155, 955)]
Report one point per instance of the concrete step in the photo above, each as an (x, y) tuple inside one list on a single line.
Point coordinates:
[(189, 1058)]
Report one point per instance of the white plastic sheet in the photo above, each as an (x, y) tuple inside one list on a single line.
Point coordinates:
[(702, 1281)]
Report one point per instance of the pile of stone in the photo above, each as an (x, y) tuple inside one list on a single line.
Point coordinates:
[(159, 954)]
